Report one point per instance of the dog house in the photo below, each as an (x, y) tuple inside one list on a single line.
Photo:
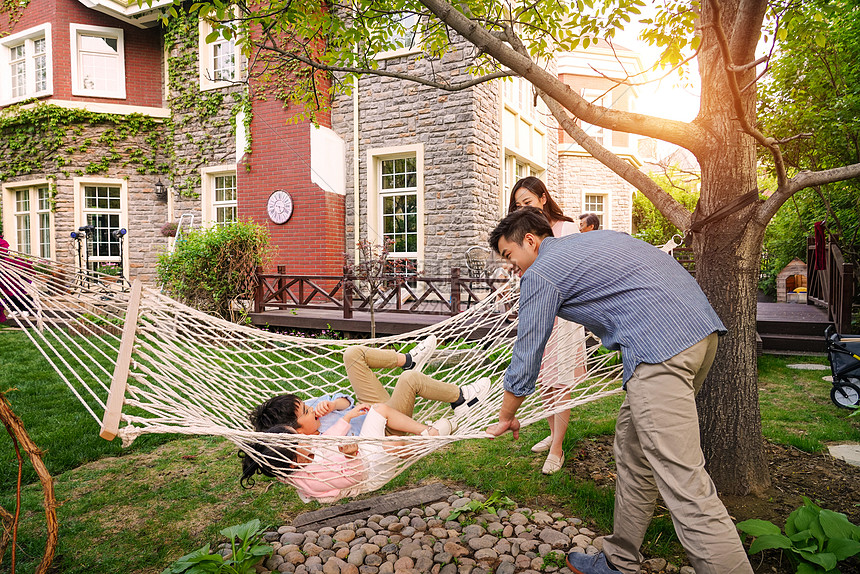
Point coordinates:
[(792, 277)]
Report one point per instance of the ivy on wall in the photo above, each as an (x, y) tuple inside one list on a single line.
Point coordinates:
[(201, 118), (40, 138)]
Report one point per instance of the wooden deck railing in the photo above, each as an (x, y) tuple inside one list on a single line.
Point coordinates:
[(830, 285), (399, 294)]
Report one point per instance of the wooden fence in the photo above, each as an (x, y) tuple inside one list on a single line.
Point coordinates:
[(397, 293), (830, 282)]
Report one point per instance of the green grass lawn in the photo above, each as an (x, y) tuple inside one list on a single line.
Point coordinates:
[(136, 510)]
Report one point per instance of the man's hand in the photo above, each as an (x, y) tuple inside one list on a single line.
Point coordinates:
[(502, 427)]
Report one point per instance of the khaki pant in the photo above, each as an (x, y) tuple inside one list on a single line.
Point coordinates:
[(360, 361), (657, 449)]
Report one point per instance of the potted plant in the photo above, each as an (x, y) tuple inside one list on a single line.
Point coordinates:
[(169, 229)]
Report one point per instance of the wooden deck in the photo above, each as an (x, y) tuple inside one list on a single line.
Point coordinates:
[(782, 326)]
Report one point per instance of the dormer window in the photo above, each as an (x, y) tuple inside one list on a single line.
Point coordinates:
[(26, 64), (98, 61)]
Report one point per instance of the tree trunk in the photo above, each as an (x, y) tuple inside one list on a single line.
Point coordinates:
[(729, 415)]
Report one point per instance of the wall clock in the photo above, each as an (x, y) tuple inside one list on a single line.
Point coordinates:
[(280, 206)]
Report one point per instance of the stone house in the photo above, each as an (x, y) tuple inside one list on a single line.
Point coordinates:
[(153, 125)]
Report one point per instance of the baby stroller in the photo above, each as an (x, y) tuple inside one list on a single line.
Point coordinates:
[(844, 356)]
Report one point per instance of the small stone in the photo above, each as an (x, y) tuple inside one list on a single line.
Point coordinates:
[(356, 556), (518, 519), (379, 540), (481, 542), (486, 555), (326, 531), (395, 527), (506, 568), (404, 563), (656, 564), (295, 557), (292, 538), (311, 549), (344, 535), (542, 518), (443, 557), (373, 560)]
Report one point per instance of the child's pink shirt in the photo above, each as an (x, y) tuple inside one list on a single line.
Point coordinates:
[(330, 471)]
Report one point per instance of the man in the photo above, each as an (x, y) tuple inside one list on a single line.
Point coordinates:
[(638, 299), (588, 222)]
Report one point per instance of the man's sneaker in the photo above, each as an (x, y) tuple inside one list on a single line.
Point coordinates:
[(472, 395), (581, 563), (422, 352)]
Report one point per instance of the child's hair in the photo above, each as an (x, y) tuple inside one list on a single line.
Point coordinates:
[(274, 458), (279, 410)]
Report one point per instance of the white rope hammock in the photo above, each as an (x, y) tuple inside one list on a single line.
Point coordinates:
[(140, 362)]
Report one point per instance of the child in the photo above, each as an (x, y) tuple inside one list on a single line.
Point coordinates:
[(322, 472), (359, 361)]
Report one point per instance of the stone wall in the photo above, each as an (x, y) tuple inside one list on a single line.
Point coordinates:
[(578, 173), (462, 150)]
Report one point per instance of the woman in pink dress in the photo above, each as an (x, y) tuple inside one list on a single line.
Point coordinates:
[(563, 363)]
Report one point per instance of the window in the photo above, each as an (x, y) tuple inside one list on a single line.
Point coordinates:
[(596, 204), (219, 58), (30, 220), (226, 206), (395, 204), (102, 208), (22, 220), (26, 64), (219, 195), (98, 61), (399, 205), (407, 36)]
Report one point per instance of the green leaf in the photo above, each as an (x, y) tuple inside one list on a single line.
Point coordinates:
[(782, 34), (842, 548), (757, 527), (824, 559), (212, 36), (820, 40), (836, 524), (807, 568), (769, 541)]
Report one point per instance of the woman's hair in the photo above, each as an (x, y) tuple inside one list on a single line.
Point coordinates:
[(551, 209), (279, 410), (275, 458)]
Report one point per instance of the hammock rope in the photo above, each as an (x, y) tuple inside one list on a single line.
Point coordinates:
[(194, 374)]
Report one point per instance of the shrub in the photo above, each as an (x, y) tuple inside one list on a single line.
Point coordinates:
[(213, 269)]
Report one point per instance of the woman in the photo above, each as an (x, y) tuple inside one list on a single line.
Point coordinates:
[(560, 360)]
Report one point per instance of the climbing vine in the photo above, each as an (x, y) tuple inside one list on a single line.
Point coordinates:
[(41, 138), (202, 119)]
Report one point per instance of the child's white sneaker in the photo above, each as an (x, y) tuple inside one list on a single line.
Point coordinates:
[(444, 426), (422, 352), (472, 395)]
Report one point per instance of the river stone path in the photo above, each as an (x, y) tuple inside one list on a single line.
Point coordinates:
[(422, 539)]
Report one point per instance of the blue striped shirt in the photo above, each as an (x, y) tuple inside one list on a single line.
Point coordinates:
[(633, 296)]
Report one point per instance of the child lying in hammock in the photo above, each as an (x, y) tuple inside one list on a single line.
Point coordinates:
[(322, 472), (319, 415), (323, 412)]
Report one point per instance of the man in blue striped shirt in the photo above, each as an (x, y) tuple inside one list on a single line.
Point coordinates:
[(639, 300)]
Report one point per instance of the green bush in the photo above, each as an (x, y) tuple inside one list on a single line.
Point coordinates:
[(247, 549), (213, 269)]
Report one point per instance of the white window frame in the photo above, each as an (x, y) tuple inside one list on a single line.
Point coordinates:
[(208, 205), (375, 195), (606, 214), (206, 59), (79, 183), (10, 216), (415, 46), (76, 31), (27, 37)]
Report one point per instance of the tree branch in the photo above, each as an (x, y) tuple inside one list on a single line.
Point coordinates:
[(803, 180), (400, 76), (680, 133)]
